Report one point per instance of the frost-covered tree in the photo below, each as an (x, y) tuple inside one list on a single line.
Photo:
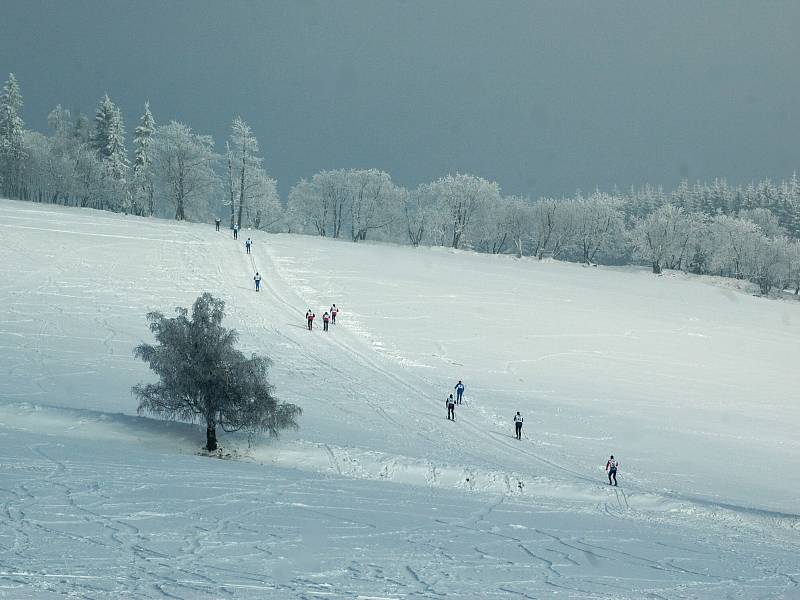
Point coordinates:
[(231, 183), (294, 221), (553, 226), (321, 203), (419, 211), (520, 222), (364, 199), (491, 227), (308, 208), (49, 168), (184, 162), (263, 208), (373, 200), (460, 197), (665, 237), (769, 266), (766, 220), (82, 129), (643, 201), (203, 377), (793, 207), (681, 197), (251, 193), (103, 118), (77, 174), (793, 258), (108, 138), (332, 187), (246, 176), (732, 243), (60, 121), (143, 186), (599, 223), (12, 144), (36, 172)]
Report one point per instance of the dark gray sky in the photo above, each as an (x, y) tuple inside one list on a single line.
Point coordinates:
[(544, 97)]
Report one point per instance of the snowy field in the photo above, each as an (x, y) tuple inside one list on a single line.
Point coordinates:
[(691, 384)]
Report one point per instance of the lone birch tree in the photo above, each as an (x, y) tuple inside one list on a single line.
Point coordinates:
[(203, 377)]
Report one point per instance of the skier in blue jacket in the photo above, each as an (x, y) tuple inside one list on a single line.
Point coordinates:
[(459, 391)]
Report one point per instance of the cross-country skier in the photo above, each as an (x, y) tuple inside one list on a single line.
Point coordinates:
[(248, 242), (451, 408), (310, 319), (334, 312), (325, 318), (257, 279), (518, 425), (216, 222), (459, 391), (236, 231), (611, 467)]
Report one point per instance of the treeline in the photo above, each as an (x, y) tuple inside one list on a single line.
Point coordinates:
[(173, 171), (747, 232)]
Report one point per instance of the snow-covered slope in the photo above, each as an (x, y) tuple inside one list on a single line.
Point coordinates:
[(690, 385)]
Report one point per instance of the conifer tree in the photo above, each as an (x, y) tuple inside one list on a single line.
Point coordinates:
[(142, 160), (12, 149), (108, 138)]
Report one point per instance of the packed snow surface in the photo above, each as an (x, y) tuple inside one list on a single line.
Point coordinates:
[(690, 384)]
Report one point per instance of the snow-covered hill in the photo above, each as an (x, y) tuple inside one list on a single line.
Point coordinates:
[(691, 385)]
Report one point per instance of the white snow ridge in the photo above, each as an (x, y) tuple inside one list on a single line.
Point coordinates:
[(692, 387)]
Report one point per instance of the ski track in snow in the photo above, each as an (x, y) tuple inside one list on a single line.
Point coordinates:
[(378, 495)]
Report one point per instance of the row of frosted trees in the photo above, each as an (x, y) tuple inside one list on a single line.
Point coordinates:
[(172, 171), (747, 232)]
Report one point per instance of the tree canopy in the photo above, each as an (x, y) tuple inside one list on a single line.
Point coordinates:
[(204, 378)]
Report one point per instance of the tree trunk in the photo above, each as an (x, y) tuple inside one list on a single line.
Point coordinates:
[(211, 436), (656, 268), (241, 188), (230, 189), (150, 198), (179, 214)]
